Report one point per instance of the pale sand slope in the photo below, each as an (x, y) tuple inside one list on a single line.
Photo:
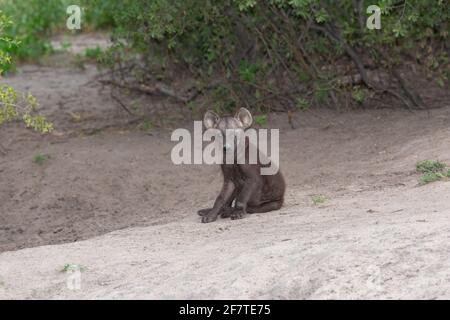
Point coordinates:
[(393, 243)]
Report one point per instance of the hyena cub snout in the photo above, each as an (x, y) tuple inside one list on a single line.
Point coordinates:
[(230, 133), (245, 189)]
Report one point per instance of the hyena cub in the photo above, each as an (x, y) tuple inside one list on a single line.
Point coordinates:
[(243, 185)]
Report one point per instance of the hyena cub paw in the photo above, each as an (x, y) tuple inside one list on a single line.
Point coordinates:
[(237, 214), (226, 212), (203, 212), (209, 217)]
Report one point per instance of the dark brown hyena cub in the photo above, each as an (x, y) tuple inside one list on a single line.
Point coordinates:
[(243, 184)]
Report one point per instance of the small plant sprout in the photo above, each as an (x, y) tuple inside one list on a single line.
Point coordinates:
[(358, 95), (146, 125), (93, 53), (260, 120), (68, 267), (318, 199), (302, 104), (39, 158)]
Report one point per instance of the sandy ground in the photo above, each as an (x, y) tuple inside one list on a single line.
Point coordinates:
[(356, 247), (377, 235)]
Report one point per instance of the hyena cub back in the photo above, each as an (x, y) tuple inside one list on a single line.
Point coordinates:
[(245, 189)]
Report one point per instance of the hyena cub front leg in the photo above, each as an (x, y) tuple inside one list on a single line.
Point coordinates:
[(224, 212), (225, 197), (248, 191)]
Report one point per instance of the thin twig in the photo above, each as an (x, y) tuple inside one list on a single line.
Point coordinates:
[(156, 90), (107, 73), (121, 103), (408, 93)]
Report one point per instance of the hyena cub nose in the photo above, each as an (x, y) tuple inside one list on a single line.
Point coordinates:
[(245, 189)]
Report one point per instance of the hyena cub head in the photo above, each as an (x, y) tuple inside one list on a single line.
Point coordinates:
[(230, 130)]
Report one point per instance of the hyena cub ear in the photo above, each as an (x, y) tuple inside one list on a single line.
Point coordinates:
[(245, 117), (210, 119)]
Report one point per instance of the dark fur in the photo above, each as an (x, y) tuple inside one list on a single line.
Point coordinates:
[(252, 192)]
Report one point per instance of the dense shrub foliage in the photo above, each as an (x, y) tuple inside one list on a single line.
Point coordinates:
[(285, 54), (291, 51)]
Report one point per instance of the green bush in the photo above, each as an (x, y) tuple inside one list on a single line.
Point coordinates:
[(269, 54), (279, 48), (13, 105), (430, 166), (33, 21), (432, 171)]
